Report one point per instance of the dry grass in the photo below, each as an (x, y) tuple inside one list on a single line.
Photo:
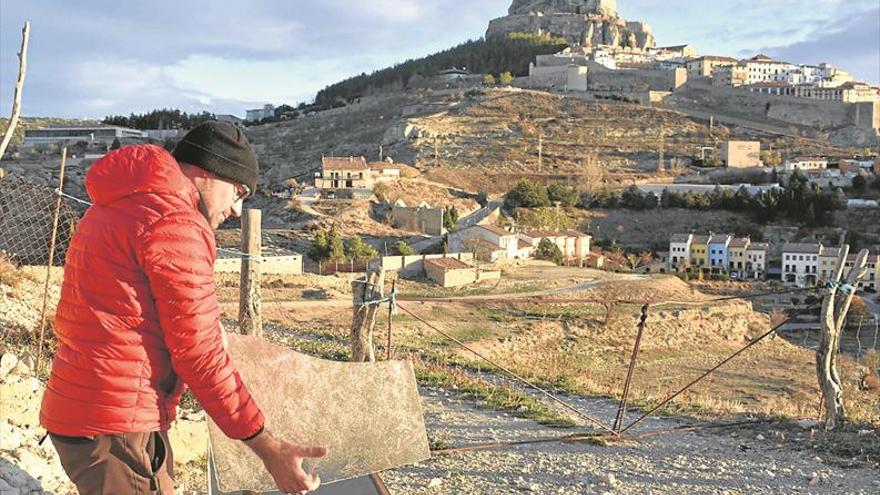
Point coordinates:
[(10, 275)]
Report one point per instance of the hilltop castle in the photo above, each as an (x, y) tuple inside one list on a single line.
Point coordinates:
[(588, 23)]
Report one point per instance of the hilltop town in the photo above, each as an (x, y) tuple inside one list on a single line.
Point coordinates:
[(567, 156)]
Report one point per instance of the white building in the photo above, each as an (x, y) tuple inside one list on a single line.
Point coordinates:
[(679, 252), (800, 264), (101, 133), (762, 68), (756, 259), (258, 114), (486, 241), (572, 244), (229, 119), (869, 282), (805, 163)]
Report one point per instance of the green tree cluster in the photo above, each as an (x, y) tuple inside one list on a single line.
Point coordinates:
[(511, 53), (450, 219), (800, 201), (166, 118), (527, 194)]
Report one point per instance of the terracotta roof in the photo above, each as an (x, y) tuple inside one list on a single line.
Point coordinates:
[(480, 243), (700, 239), (521, 244), (739, 242), (447, 263), (802, 248), (344, 163), (535, 234)]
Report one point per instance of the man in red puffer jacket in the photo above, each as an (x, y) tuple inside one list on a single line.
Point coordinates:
[(138, 319)]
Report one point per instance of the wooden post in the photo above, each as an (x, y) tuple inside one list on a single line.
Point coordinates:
[(50, 261), (363, 318), (19, 85), (390, 320), (249, 316), (833, 319)]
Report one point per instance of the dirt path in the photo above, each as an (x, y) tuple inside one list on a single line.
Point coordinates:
[(727, 461)]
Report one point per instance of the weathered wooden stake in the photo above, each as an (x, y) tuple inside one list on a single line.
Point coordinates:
[(363, 319), (390, 320), (50, 262), (833, 320), (249, 316)]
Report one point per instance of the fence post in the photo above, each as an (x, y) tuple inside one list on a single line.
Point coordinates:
[(50, 262), (249, 316)]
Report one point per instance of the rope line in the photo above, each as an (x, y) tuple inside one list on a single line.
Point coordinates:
[(511, 373), (669, 399)]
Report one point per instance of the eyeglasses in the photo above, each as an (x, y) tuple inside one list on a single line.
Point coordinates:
[(243, 192)]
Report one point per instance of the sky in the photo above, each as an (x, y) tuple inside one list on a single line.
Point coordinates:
[(92, 58)]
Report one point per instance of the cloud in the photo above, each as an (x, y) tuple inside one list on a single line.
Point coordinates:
[(94, 57), (855, 40)]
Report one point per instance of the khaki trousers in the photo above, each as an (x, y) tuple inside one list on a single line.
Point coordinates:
[(118, 464)]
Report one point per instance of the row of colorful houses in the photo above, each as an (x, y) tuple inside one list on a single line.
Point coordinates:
[(719, 253), (802, 264)]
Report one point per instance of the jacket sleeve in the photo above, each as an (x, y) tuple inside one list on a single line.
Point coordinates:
[(177, 255)]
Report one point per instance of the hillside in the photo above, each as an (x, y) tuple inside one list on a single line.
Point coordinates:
[(466, 139)]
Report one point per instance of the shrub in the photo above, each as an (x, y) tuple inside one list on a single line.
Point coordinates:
[(548, 251)]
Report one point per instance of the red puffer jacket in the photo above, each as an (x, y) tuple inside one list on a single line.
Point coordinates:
[(138, 316)]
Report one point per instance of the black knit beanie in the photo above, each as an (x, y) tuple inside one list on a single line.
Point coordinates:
[(222, 149)]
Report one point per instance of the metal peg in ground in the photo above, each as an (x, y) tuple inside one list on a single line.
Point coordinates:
[(621, 410)]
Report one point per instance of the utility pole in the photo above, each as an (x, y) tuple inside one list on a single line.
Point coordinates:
[(557, 215), (540, 152), (660, 167), (381, 153)]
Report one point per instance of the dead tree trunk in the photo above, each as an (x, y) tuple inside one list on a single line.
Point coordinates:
[(834, 313), (16, 100), (365, 291)]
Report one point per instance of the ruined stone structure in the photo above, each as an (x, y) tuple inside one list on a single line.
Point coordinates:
[(580, 22)]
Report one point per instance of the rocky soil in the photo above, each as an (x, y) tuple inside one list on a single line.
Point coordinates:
[(765, 460), (29, 467), (768, 458)]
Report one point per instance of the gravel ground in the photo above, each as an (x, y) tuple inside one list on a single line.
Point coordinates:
[(761, 460)]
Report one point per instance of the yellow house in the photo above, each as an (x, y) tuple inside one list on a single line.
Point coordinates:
[(700, 251), (736, 251)]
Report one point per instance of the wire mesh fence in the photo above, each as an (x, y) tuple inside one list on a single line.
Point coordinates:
[(26, 216)]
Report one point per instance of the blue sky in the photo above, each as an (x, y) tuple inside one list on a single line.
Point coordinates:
[(91, 58)]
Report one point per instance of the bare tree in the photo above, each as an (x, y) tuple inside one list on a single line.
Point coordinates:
[(834, 311), (16, 102)]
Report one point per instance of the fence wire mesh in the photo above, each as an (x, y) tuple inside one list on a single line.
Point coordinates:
[(26, 214)]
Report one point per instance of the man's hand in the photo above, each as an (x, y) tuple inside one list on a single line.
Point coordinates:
[(283, 460)]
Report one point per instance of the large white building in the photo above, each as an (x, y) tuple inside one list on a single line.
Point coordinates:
[(258, 114), (800, 264), (488, 242), (101, 133), (805, 164)]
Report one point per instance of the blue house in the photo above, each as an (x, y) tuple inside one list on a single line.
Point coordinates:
[(719, 255)]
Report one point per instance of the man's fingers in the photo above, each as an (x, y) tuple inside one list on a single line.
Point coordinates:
[(311, 452)]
